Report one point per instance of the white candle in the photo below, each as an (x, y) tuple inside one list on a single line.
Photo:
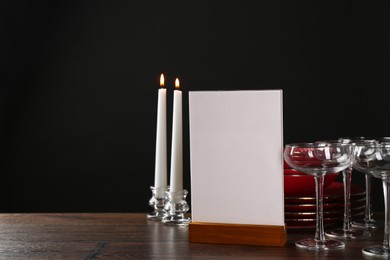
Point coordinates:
[(176, 180), (160, 177)]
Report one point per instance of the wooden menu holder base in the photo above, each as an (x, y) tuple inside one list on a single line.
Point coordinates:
[(241, 234)]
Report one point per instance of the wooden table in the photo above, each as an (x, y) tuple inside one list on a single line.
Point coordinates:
[(131, 235)]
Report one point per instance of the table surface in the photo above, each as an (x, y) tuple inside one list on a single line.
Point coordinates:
[(131, 235)]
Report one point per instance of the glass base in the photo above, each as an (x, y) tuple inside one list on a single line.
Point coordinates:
[(325, 245), (156, 215), (176, 220), (368, 224), (348, 234), (377, 250)]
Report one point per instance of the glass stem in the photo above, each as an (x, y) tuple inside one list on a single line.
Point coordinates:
[(319, 183), (386, 184), (368, 213), (347, 174)]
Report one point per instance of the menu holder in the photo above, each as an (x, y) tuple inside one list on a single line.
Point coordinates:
[(236, 147), (217, 233)]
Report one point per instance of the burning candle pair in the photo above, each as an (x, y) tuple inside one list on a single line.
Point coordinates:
[(176, 175)]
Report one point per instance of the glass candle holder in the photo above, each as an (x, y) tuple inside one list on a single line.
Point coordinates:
[(175, 208), (157, 202)]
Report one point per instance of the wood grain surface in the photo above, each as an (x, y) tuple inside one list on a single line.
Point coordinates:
[(132, 236)]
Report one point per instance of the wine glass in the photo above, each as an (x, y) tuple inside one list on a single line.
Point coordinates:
[(318, 160), (368, 220), (375, 159), (347, 231)]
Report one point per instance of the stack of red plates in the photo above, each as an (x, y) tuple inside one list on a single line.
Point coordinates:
[(300, 212)]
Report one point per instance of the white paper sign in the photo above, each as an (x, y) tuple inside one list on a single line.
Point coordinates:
[(236, 143)]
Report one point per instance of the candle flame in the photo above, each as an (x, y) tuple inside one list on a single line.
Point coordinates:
[(177, 83), (162, 80)]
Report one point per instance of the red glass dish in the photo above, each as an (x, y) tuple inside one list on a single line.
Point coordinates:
[(300, 184)]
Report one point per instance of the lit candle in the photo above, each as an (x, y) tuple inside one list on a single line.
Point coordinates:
[(160, 177), (176, 179)]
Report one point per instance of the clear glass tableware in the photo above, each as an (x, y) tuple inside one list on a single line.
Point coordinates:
[(346, 231), (318, 160), (368, 221), (375, 159), (385, 139)]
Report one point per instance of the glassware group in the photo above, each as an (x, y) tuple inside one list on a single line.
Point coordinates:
[(332, 156), (169, 206)]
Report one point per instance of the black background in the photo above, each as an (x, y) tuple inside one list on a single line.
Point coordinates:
[(79, 86)]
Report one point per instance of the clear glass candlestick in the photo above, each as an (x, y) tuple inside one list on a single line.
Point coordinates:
[(175, 208), (157, 202)]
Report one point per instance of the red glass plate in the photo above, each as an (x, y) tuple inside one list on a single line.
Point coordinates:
[(327, 206), (309, 223), (327, 214), (333, 193)]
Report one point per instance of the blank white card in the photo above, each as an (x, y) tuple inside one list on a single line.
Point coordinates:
[(236, 144)]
